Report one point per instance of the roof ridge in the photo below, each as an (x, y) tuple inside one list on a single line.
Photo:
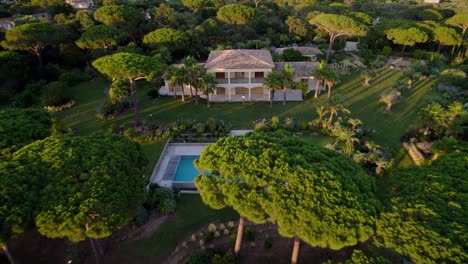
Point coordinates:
[(262, 61)]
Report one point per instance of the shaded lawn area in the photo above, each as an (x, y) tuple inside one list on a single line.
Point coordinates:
[(191, 215), (364, 103), (153, 152)]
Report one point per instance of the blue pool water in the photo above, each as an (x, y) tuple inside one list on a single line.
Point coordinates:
[(186, 171)]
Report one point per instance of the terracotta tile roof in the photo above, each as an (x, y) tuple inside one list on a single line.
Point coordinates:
[(302, 69), (306, 51), (239, 59)]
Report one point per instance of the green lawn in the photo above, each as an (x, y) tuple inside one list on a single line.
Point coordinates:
[(191, 214)]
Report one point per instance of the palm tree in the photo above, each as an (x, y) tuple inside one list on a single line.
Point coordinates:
[(272, 82), (319, 74), (381, 164), (169, 75), (432, 116), (192, 73), (321, 111), (332, 78), (354, 122), (368, 75), (207, 83), (335, 106), (390, 98), (411, 74), (178, 77), (287, 79)]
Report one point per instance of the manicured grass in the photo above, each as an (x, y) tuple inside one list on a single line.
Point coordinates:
[(153, 152), (191, 214)]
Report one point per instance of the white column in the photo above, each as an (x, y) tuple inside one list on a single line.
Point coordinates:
[(229, 80), (250, 81)]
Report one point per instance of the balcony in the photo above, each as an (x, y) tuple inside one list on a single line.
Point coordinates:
[(239, 80), (222, 80), (257, 80)]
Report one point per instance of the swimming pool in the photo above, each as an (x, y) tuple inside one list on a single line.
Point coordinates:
[(186, 171)]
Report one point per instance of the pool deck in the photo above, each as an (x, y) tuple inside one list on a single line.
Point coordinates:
[(168, 160)]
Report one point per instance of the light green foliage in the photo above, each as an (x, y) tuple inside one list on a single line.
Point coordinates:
[(309, 191), (427, 219), (101, 37), (236, 14), (406, 36), (296, 26), (121, 16), (166, 37), (18, 194), (20, 127), (362, 17), (90, 185), (163, 14), (446, 36), (129, 65), (196, 5), (460, 21)]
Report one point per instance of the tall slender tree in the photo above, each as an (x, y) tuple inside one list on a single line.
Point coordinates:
[(192, 72), (272, 82), (207, 84), (319, 75), (287, 79), (133, 67)]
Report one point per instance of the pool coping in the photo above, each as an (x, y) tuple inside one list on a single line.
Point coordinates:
[(171, 149)]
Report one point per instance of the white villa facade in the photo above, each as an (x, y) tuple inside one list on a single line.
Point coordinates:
[(240, 72), (240, 76)]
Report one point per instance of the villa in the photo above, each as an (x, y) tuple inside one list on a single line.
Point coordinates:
[(240, 76)]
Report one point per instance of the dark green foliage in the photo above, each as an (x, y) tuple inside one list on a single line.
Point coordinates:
[(153, 94), (249, 234), (198, 257), (18, 197), (89, 185), (72, 78), (20, 127), (121, 16), (101, 37), (168, 206), (227, 258), (296, 185), (208, 236), (141, 217), (292, 55), (166, 37), (427, 219), (157, 197), (232, 238), (268, 243), (55, 94)]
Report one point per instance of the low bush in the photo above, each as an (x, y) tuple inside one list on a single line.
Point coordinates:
[(198, 257), (268, 243), (227, 258), (249, 234), (142, 216), (55, 94), (168, 206), (208, 236), (232, 238)]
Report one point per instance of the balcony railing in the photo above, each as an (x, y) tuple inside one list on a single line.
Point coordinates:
[(239, 80), (257, 80), (222, 80)]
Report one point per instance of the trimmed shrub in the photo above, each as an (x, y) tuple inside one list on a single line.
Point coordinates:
[(168, 206), (249, 234), (208, 236), (157, 197), (268, 243), (142, 216), (232, 238), (227, 258), (55, 94)]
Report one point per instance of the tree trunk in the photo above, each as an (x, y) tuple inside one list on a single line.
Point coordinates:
[(378, 170), (240, 232), (332, 39), (96, 250), (389, 108), (174, 87), (366, 81), (208, 100), (329, 90), (37, 52), (317, 87), (135, 103), (295, 253), (330, 119), (196, 96), (403, 50), (183, 93), (438, 48), (271, 98), (410, 83), (284, 95), (191, 91), (7, 253)]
